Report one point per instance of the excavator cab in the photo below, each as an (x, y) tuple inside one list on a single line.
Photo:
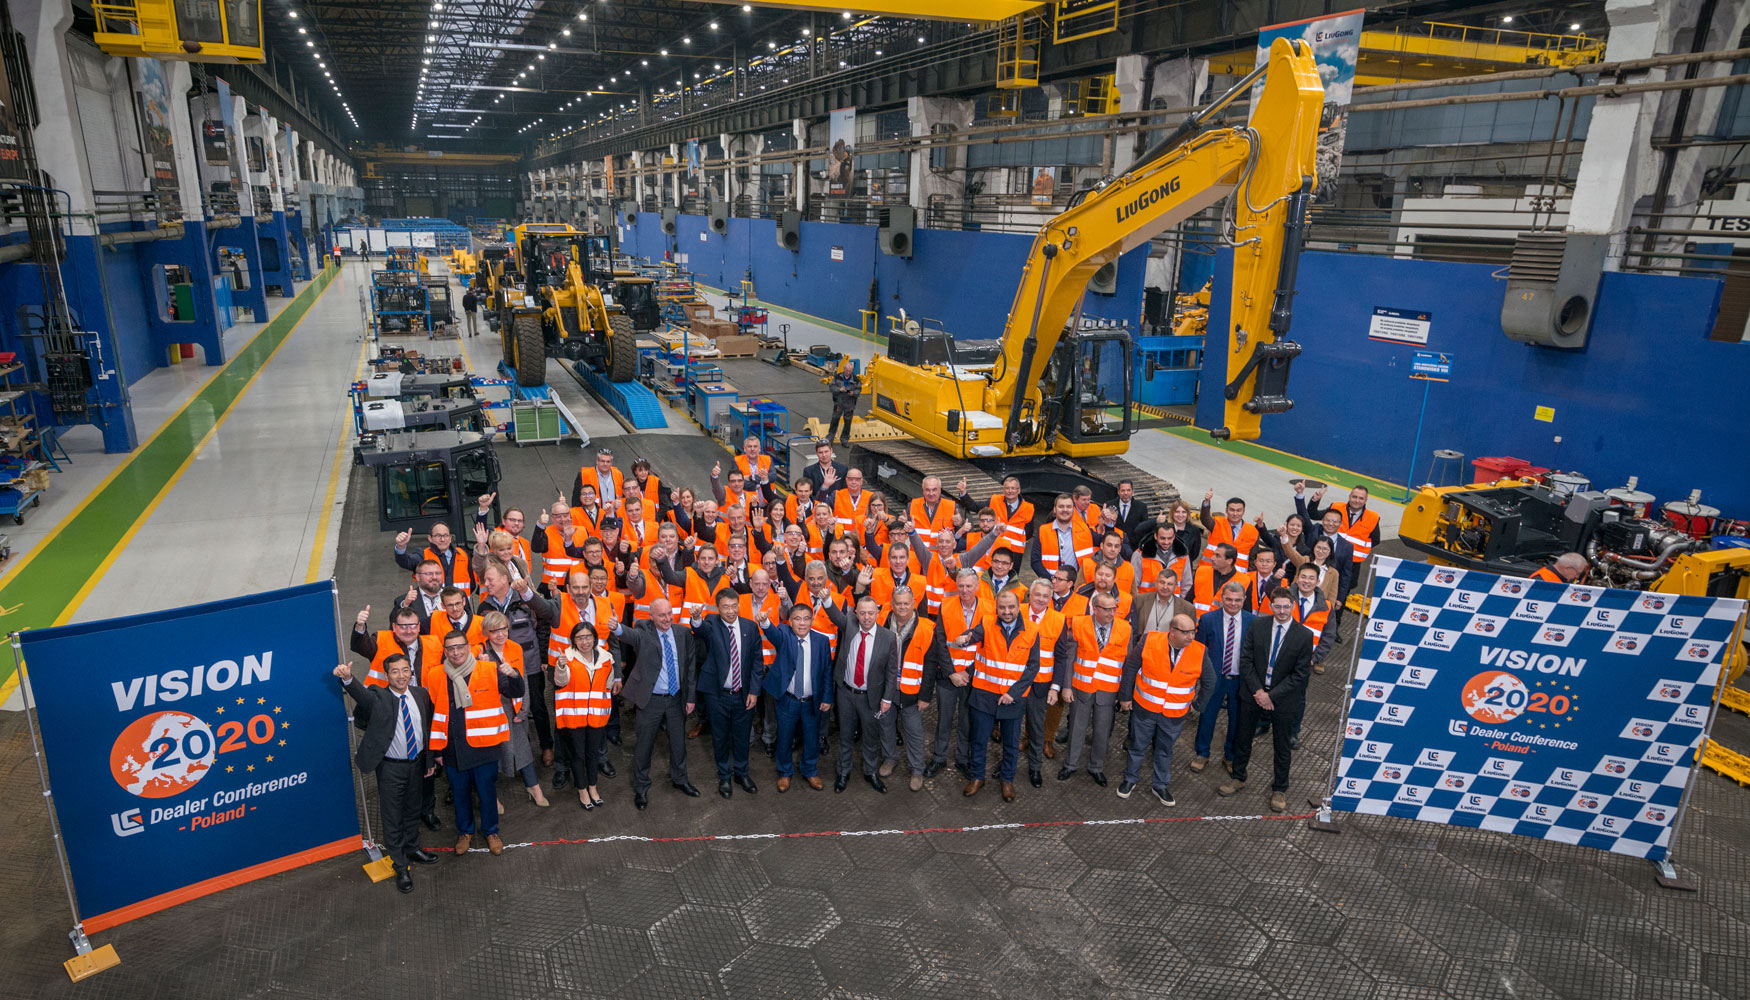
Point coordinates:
[(1084, 389)]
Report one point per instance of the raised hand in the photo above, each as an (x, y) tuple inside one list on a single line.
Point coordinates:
[(716, 469), (412, 595), (486, 501), (544, 520), (344, 672), (960, 487), (364, 617), (1209, 495), (403, 538)]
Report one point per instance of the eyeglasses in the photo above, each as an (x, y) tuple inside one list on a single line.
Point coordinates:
[(451, 647), (412, 625), (1184, 631)]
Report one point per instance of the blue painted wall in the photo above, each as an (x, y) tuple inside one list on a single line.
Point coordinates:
[(966, 280), (1649, 396)]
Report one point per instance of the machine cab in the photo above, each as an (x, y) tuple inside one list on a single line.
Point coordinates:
[(1087, 383)]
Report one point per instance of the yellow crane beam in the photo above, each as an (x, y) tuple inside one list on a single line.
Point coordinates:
[(931, 10)]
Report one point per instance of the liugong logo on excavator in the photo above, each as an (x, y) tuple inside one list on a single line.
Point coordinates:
[(1148, 198)]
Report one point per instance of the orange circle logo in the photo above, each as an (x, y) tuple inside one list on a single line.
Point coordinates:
[(163, 754), (1494, 697)]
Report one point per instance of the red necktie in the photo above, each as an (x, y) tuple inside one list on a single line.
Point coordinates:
[(862, 647)]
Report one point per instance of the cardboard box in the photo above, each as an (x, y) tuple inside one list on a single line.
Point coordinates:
[(714, 328), (696, 311), (738, 346)]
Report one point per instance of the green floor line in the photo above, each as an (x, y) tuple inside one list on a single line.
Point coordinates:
[(37, 594), (804, 317), (1331, 474)]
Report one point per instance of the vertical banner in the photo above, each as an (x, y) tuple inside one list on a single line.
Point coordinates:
[(11, 154), (194, 749), (608, 173), (693, 161), (1044, 185), (160, 142), (1336, 47), (841, 141), (1547, 710)]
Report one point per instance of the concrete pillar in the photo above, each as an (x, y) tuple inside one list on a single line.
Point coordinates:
[(675, 172), (730, 188), (1619, 170), (184, 141), (925, 114), (638, 179), (799, 129)]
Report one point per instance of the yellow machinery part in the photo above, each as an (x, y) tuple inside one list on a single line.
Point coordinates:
[(1730, 763), (141, 28)]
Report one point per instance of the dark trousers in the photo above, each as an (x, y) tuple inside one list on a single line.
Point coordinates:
[(833, 429), (1156, 732), (1225, 696), (731, 731), (983, 723), (474, 781), (1251, 716), (953, 722), (661, 710), (857, 719), (584, 745), (798, 717), (400, 796), (538, 708), (1037, 737)]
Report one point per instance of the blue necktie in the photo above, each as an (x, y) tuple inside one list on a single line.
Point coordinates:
[(1270, 666), (669, 682), (408, 734)]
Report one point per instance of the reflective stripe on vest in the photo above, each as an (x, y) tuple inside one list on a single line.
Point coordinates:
[(430, 652), (1001, 664), (1151, 571), (1099, 668), (911, 663), (1359, 532), (1049, 624), (1163, 687), (555, 564), (954, 623), (1048, 543), (1014, 528), (456, 573), (586, 702), (484, 724), (1222, 534), (848, 513)]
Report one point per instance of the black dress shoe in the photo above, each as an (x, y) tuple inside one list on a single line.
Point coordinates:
[(725, 789), (613, 738), (686, 788), (934, 768), (422, 856), (560, 778), (1294, 743), (839, 785), (640, 800), (607, 769), (403, 879), (1036, 778), (746, 783), (1099, 779), (431, 821), (449, 796), (1066, 773), (876, 783), (771, 749)]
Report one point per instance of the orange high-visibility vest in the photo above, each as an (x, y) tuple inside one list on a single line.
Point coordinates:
[(955, 622), (1125, 572), (1359, 532), (1001, 663), (938, 584), (1151, 571), (818, 541), (942, 521), (440, 625), (431, 650), (1050, 625), (556, 565), (1314, 622), (764, 465), (640, 533), (513, 655), (1048, 543), (911, 659), (700, 597), (1546, 573), (974, 537), (882, 584), (588, 700), (773, 606), (483, 722), (1015, 527), (1099, 668), (654, 587), (989, 593), (822, 621), (850, 515), (1078, 606), (456, 573), (593, 479), (1203, 593), (1223, 534), (1162, 686), (1090, 518), (652, 493), (795, 513)]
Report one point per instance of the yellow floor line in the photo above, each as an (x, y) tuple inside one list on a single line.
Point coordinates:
[(334, 473)]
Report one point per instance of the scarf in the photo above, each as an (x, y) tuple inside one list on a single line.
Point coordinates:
[(459, 693)]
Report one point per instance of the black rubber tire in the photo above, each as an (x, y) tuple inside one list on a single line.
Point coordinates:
[(531, 351), (509, 351), (622, 364)]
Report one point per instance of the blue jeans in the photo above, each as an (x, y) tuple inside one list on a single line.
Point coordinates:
[(479, 781), (982, 724), (1161, 731), (794, 715), (1226, 695)]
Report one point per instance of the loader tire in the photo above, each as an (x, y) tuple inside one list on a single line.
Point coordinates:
[(531, 351), (622, 363)]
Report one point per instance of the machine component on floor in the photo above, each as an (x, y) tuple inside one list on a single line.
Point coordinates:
[(1061, 387), (427, 476), (541, 299)]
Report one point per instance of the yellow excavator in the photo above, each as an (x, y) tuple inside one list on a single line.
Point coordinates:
[(1057, 385), (541, 300)]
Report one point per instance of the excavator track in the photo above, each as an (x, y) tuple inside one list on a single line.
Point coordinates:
[(1152, 490), (915, 461)]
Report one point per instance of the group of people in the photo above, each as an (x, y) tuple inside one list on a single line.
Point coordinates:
[(789, 611)]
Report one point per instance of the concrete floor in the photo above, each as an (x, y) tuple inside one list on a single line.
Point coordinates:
[(1069, 892)]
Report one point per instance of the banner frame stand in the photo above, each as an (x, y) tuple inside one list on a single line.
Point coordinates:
[(1323, 821), (374, 867), (1664, 872), (86, 961)]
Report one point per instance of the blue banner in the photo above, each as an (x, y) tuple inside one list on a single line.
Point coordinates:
[(195, 748), (1543, 709)]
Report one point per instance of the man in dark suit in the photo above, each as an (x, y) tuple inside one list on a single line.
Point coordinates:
[(730, 673), (824, 488), (1220, 630), (867, 679), (396, 720), (1131, 511), (661, 684), (1275, 663), (800, 683)]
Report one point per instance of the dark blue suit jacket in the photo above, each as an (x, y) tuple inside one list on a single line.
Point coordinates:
[(790, 657), (1214, 639), (714, 639)]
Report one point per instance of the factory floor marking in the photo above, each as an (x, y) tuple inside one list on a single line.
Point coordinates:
[(48, 591), (320, 545)]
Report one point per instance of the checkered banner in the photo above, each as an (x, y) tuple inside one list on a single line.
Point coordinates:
[(1547, 710)]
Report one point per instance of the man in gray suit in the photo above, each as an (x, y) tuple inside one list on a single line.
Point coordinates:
[(867, 682), (661, 684)]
